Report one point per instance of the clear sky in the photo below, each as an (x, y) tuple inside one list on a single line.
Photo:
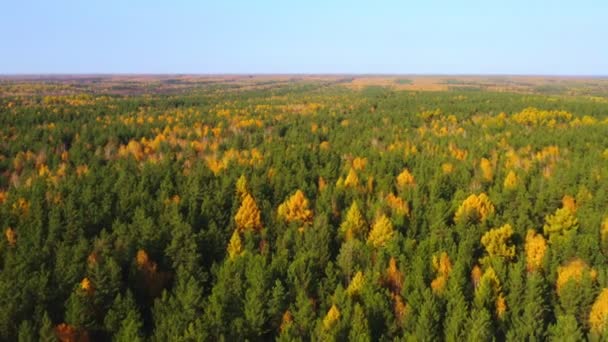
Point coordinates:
[(314, 36)]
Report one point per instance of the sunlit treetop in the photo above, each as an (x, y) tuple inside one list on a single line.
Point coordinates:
[(295, 209), (496, 242), (474, 209), (248, 216), (381, 232)]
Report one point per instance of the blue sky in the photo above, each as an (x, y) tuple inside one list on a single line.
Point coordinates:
[(315, 36)]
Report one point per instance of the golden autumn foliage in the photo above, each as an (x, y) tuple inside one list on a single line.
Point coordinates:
[(352, 180), (442, 266), (573, 270), (359, 163), (324, 145), (354, 225), (400, 308), (295, 209), (331, 318), (475, 208), (381, 232), (561, 223), (248, 216), (568, 202), (3, 197), (405, 179), (487, 170), (496, 242), (598, 317), (21, 207), (235, 247), (242, 187), (286, 320), (533, 116), (356, 284), (501, 306), (447, 168), (86, 286), (11, 236), (535, 248), (511, 181), (476, 274), (393, 278), (398, 204)]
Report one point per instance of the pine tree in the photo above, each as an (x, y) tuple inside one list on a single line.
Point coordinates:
[(359, 328), (566, 329), (381, 232), (354, 225), (428, 324), (295, 209), (248, 216), (46, 332), (496, 242), (480, 325)]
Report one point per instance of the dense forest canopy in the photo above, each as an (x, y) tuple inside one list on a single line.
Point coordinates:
[(301, 209)]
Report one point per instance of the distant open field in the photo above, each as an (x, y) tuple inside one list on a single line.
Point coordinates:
[(17, 85)]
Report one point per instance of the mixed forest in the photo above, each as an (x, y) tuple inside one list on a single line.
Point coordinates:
[(298, 210)]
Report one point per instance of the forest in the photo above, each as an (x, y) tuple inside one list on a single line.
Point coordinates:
[(297, 209)]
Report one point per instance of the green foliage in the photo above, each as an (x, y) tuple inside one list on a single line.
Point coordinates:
[(298, 210)]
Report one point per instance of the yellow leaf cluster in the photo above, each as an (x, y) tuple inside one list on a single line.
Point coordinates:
[(286, 320), (295, 209), (3, 197), (573, 270), (535, 248), (476, 274), (496, 242), (398, 205), (354, 225), (487, 171), (405, 179), (501, 306), (457, 153), (324, 145), (359, 163), (394, 277), (356, 284), (235, 247), (511, 181), (561, 223), (447, 168), (332, 316), (381, 233), (242, 187), (248, 216), (534, 116), (87, 286), (443, 266), (598, 317), (21, 207), (475, 208), (568, 202), (352, 180)]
